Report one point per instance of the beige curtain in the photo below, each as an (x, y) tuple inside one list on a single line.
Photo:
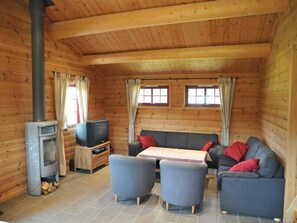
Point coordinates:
[(226, 86), (61, 84), (82, 88), (132, 90)]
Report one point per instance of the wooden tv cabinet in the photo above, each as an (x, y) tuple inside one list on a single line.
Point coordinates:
[(85, 159)]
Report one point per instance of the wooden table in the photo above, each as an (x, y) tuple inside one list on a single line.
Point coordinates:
[(187, 155)]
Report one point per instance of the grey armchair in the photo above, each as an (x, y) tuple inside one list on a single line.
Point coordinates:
[(131, 177), (182, 183)]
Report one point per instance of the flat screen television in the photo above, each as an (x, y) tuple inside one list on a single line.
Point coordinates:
[(92, 133)]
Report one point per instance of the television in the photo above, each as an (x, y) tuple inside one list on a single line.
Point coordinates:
[(92, 133)]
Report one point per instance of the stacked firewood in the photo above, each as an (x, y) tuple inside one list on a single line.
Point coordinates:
[(49, 186)]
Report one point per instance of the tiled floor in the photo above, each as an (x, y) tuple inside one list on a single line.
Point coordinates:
[(88, 198)]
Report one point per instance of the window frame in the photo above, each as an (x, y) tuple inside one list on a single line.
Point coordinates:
[(77, 109), (187, 87), (155, 87)]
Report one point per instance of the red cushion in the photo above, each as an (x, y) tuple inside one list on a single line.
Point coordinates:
[(207, 146), (246, 166), (147, 141), (236, 151)]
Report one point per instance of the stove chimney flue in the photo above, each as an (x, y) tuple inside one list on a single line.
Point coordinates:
[(37, 11)]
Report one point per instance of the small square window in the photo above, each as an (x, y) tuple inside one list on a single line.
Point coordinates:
[(202, 96), (153, 95)]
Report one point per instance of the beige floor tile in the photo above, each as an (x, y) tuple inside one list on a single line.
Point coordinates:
[(102, 201), (27, 214), (62, 217), (266, 220), (169, 216), (187, 219), (96, 221), (6, 216), (248, 219), (85, 215), (132, 209), (123, 218), (207, 216), (147, 215), (109, 212), (14, 207), (78, 206)]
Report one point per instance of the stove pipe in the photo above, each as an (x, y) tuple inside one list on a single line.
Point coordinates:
[(37, 11)]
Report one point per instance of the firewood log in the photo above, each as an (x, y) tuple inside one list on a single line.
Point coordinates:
[(44, 185), (57, 184)]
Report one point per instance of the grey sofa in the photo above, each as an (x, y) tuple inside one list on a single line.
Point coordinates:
[(182, 183), (181, 140), (131, 177), (258, 193)]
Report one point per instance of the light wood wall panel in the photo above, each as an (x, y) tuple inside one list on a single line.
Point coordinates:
[(274, 95), (16, 95), (177, 117)]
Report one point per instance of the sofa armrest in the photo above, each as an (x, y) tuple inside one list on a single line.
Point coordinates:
[(214, 153), (261, 196), (221, 149), (134, 148), (235, 175)]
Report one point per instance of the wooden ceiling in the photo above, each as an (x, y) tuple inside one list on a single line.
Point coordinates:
[(215, 32)]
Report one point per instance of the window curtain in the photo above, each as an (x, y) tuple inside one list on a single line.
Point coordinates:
[(132, 90), (82, 88), (61, 84), (226, 86)]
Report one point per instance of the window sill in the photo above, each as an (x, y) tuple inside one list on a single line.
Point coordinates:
[(148, 107), (69, 130)]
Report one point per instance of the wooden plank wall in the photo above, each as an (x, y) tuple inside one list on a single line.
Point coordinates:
[(275, 84), (16, 96), (177, 117)]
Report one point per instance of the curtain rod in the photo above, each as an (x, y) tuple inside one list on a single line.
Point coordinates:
[(73, 75), (180, 78)]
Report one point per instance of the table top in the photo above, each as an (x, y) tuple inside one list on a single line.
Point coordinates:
[(175, 154)]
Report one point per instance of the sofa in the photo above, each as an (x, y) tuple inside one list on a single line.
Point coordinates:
[(258, 193), (181, 140)]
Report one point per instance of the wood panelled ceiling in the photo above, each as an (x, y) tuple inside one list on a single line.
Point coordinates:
[(231, 31)]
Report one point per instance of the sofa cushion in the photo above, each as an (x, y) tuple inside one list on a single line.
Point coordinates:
[(250, 165), (226, 161), (268, 161), (176, 140), (254, 144), (236, 151), (196, 141), (160, 137), (207, 146), (147, 141)]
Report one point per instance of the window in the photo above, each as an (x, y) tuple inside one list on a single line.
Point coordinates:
[(153, 95), (202, 96), (72, 107)]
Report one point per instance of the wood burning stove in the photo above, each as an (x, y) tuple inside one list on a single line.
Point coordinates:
[(42, 154)]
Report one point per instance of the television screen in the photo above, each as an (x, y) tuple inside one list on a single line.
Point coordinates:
[(92, 133), (98, 132)]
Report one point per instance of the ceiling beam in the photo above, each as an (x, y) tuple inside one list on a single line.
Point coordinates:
[(207, 52), (211, 10)]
